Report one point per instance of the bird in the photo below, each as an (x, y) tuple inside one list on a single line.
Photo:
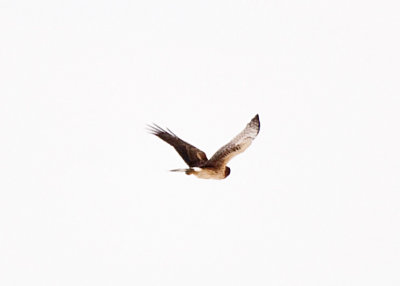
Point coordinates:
[(215, 167)]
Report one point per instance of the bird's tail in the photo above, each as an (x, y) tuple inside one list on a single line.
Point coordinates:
[(186, 171)]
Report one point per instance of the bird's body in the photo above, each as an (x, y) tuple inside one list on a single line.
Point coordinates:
[(210, 173), (206, 172), (215, 167)]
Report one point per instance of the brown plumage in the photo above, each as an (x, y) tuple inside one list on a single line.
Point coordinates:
[(215, 167)]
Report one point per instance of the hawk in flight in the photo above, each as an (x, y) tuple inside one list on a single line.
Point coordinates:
[(199, 165)]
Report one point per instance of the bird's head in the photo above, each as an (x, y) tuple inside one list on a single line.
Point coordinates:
[(227, 171)]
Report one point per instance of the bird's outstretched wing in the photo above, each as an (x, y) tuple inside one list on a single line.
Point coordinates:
[(237, 145), (191, 155)]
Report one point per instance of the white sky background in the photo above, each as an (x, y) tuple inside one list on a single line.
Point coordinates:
[(86, 198)]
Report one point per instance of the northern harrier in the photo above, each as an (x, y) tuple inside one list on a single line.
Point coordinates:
[(199, 165)]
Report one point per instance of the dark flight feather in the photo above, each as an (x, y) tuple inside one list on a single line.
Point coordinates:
[(193, 156)]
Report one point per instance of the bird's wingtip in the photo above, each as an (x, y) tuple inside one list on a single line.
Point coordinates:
[(256, 119)]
